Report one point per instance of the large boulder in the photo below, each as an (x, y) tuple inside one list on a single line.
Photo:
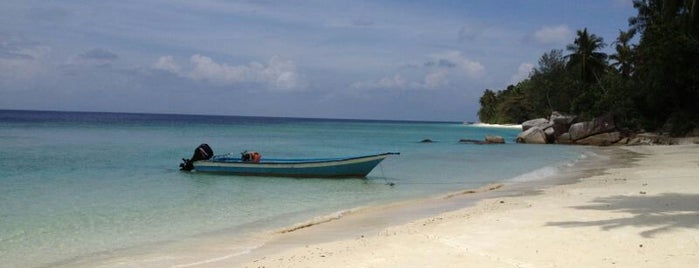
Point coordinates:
[(564, 139), (491, 139), (532, 135), (603, 139), (541, 123), (559, 118), (598, 125), (561, 123), (550, 134)]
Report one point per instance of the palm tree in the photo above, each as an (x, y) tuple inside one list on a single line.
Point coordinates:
[(653, 12), (624, 53), (585, 56)]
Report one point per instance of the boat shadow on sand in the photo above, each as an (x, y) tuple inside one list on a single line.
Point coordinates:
[(656, 214)]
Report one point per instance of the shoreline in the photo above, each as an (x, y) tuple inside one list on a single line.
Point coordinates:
[(345, 239), (231, 249), (638, 210)]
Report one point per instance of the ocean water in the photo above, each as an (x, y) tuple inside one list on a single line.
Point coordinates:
[(74, 185)]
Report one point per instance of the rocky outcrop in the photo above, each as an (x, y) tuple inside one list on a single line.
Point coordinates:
[(603, 139), (600, 131), (563, 129), (532, 135), (564, 139), (596, 126), (541, 123), (553, 127), (561, 123)]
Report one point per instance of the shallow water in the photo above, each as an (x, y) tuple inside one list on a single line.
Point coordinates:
[(78, 184)]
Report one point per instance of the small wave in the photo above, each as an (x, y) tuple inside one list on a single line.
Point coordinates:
[(216, 259), (538, 174), (486, 188), (318, 220)]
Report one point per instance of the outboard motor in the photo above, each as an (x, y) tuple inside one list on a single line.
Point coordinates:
[(203, 152)]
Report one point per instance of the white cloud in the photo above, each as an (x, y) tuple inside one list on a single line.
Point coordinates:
[(523, 72), (436, 78), (548, 35), (462, 66), (389, 82), (167, 63), (397, 81), (437, 72), (276, 74)]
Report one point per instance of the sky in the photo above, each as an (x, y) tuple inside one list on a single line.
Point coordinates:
[(397, 60)]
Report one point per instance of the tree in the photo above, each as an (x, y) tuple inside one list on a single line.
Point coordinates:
[(651, 86), (667, 66), (585, 56), (489, 103), (623, 59), (552, 84)]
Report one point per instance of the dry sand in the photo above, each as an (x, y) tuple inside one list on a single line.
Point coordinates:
[(642, 215)]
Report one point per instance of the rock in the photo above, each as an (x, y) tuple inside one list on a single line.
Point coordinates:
[(564, 139), (596, 126), (623, 141), (559, 118), (650, 139), (561, 123), (532, 135), (634, 141), (540, 122), (491, 139), (469, 141), (602, 139), (550, 134)]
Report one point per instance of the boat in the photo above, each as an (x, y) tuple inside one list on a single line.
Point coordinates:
[(252, 164)]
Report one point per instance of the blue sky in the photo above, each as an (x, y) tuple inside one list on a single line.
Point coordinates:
[(405, 60)]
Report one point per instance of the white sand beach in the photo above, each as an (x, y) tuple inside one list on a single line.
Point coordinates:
[(641, 215), (486, 125)]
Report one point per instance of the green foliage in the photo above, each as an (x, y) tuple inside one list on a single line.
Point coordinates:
[(585, 57), (650, 86), (623, 59), (667, 69)]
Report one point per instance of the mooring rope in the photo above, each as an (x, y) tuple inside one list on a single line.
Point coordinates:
[(383, 176)]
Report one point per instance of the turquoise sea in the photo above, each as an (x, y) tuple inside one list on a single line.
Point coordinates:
[(75, 184)]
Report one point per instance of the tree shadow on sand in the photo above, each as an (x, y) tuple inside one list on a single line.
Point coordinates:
[(657, 214)]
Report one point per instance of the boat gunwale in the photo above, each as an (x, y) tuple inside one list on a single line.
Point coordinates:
[(273, 161)]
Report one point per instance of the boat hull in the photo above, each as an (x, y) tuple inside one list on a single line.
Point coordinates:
[(356, 167)]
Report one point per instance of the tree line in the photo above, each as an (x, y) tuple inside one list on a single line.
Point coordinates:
[(649, 86)]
